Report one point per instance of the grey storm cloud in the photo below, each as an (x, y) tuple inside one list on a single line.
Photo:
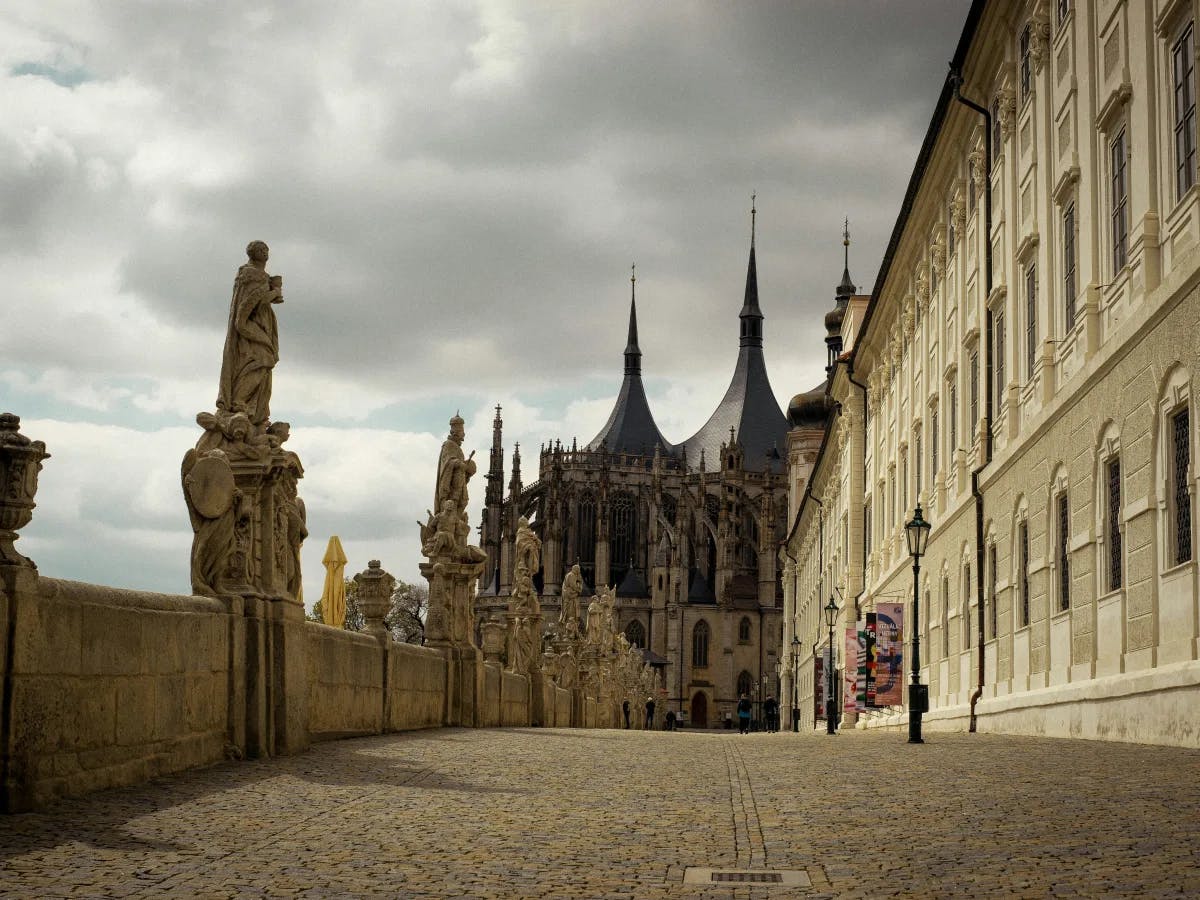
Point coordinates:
[(453, 192)]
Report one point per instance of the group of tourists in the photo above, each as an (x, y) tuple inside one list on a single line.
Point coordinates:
[(745, 710)]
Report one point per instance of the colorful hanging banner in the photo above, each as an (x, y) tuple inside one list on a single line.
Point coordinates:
[(889, 654), (819, 680), (870, 656), (854, 662)]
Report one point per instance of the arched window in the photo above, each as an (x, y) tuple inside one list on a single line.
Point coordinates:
[(966, 607), (745, 684), (635, 633), (622, 534), (700, 636), (585, 530), (945, 617), (744, 630)]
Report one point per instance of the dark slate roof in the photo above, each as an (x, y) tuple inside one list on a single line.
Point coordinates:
[(631, 427), (749, 406), (632, 585)]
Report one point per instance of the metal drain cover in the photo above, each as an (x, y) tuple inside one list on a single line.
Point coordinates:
[(765, 877)]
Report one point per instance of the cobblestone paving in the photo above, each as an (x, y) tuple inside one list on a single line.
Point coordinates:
[(568, 813)]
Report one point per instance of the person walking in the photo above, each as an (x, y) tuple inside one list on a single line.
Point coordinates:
[(771, 714), (743, 711), (625, 710), (670, 720), (649, 713)]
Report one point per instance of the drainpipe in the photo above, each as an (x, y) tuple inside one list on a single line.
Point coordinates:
[(956, 80), (794, 698), (862, 387)]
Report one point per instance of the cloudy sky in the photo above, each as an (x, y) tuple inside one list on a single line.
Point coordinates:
[(453, 191)]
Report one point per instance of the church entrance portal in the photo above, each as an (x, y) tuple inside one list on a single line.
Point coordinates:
[(700, 710)]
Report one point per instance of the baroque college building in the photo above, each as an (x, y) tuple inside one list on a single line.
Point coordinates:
[(688, 533), (1026, 368)]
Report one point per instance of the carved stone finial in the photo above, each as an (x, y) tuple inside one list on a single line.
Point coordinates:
[(20, 462), (375, 588)]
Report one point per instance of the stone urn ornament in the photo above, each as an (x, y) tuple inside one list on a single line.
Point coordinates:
[(20, 462)]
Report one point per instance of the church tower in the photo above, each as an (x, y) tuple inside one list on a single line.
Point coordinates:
[(749, 407)]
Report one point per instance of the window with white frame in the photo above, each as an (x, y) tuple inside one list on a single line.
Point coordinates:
[(1023, 569), (1069, 262), (1183, 90), (973, 381), (993, 616), (867, 530), (1181, 501), (1023, 53), (966, 608), (933, 444), (998, 358), (1112, 522), (997, 131), (918, 460), (1030, 320), (1062, 532), (952, 413), (945, 617), (1118, 155)]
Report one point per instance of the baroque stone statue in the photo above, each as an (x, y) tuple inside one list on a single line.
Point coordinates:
[(239, 484), (252, 339), (568, 616), (454, 470), (214, 505)]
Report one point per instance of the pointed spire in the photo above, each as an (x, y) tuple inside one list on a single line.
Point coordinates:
[(751, 316), (495, 477), (846, 288), (633, 353)]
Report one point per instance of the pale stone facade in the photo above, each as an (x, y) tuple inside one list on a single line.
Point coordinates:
[(1046, 421)]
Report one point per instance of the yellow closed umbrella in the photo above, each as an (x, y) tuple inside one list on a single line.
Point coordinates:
[(333, 596)]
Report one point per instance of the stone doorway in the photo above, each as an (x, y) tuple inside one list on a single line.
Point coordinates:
[(700, 710)]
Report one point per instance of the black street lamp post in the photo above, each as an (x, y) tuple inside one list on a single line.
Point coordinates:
[(917, 532), (795, 683), (831, 612)]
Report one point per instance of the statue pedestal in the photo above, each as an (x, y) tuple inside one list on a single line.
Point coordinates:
[(449, 630)]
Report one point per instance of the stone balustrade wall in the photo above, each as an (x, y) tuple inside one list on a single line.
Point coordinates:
[(106, 687)]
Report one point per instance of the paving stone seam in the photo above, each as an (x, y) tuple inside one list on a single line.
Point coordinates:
[(755, 841)]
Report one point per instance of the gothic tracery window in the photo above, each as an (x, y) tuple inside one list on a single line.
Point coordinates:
[(635, 633), (700, 635)]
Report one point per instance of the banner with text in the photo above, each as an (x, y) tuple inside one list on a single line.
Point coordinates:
[(889, 654), (856, 661)]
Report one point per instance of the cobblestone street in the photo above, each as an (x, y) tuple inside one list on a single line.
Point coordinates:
[(558, 813)]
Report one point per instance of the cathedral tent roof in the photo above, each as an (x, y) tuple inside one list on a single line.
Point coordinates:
[(630, 427), (749, 406), (632, 585)]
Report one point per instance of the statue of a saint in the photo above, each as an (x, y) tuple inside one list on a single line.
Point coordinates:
[(572, 587), (252, 339), (595, 620), (529, 547), (453, 472)]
